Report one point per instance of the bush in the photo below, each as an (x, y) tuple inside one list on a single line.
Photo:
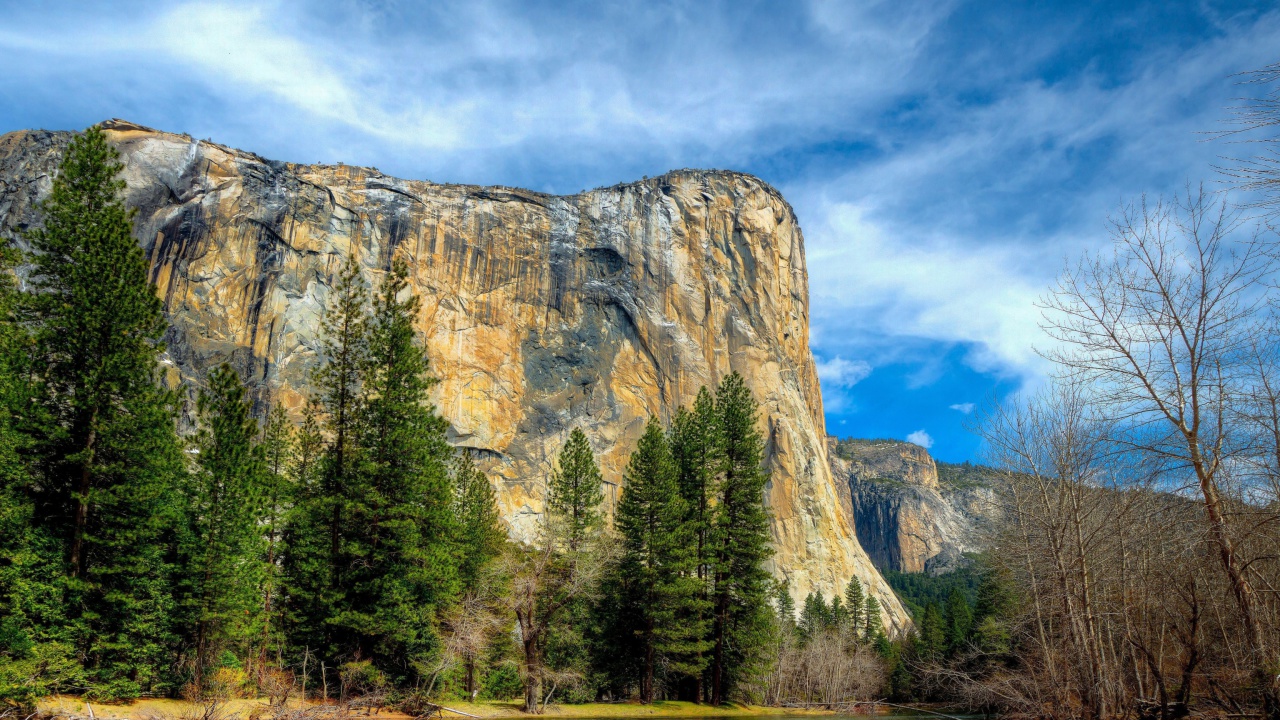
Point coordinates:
[(115, 690), (37, 671), (501, 683)]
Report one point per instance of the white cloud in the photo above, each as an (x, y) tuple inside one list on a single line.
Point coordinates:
[(921, 438), (838, 372), (962, 408)]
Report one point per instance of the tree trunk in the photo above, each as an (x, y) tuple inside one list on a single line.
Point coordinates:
[(78, 559)]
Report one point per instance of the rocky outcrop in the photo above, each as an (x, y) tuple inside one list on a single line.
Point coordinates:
[(541, 313), (910, 517)]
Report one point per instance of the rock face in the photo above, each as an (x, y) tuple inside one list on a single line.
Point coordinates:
[(540, 313), (909, 519)]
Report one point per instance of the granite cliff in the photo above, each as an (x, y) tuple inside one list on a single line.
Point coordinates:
[(911, 513), (541, 313)]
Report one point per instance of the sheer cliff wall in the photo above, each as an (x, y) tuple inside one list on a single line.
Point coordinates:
[(541, 313)]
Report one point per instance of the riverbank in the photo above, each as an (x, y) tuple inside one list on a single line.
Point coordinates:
[(165, 708)]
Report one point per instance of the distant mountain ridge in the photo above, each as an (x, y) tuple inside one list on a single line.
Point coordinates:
[(912, 513)]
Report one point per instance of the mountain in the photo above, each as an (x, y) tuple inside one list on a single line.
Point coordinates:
[(541, 313), (913, 514)]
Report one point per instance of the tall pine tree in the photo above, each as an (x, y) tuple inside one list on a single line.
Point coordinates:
[(402, 524), (742, 543), (480, 533), (315, 559), (224, 568), (697, 449), (658, 562), (109, 456), (278, 448), (576, 491), (855, 601)]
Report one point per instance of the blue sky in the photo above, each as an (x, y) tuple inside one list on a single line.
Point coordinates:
[(945, 158)]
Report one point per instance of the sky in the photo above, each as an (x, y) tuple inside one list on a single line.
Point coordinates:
[(945, 158)]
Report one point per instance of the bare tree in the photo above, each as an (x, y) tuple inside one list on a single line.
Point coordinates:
[(1257, 120), (545, 580), (1163, 330)]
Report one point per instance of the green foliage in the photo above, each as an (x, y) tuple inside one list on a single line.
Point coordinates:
[(501, 683), (657, 566), (933, 632), (106, 462), (576, 490), (815, 617), (226, 502), (855, 602), (916, 590), (957, 620), (785, 606), (741, 542), (479, 529), (371, 549), (873, 627)]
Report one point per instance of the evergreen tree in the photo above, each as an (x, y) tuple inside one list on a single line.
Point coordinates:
[(958, 621), (657, 562), (315, 559), (815, 617), (576, 490), (742, 543), (108, 454), (855, 602), (839, 615), (227, 503), (873, 626), (933, 632), (697, 448), (480, 532), (277, 455), (786, 607), (400, 534)]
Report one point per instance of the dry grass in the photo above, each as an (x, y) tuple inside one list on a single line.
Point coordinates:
[(151, 708)]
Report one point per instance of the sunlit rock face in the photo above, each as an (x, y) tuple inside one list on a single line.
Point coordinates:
[(541, 313), (909, 516)]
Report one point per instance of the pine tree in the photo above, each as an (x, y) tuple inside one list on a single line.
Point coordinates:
[(480, 533), (786, 607), (227, 504), (576, 490), (658, 561), (873, 626), (109, 457), (344, 345), (315, 559), (742, 543), (933, 632), (697, 449), (277, 455), (400, 536), (855, 602), (958, 621), (815, 616), (839, 615)]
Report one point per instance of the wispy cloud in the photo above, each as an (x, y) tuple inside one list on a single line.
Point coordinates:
[(962, 408), (838, 372), (921, 438)]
